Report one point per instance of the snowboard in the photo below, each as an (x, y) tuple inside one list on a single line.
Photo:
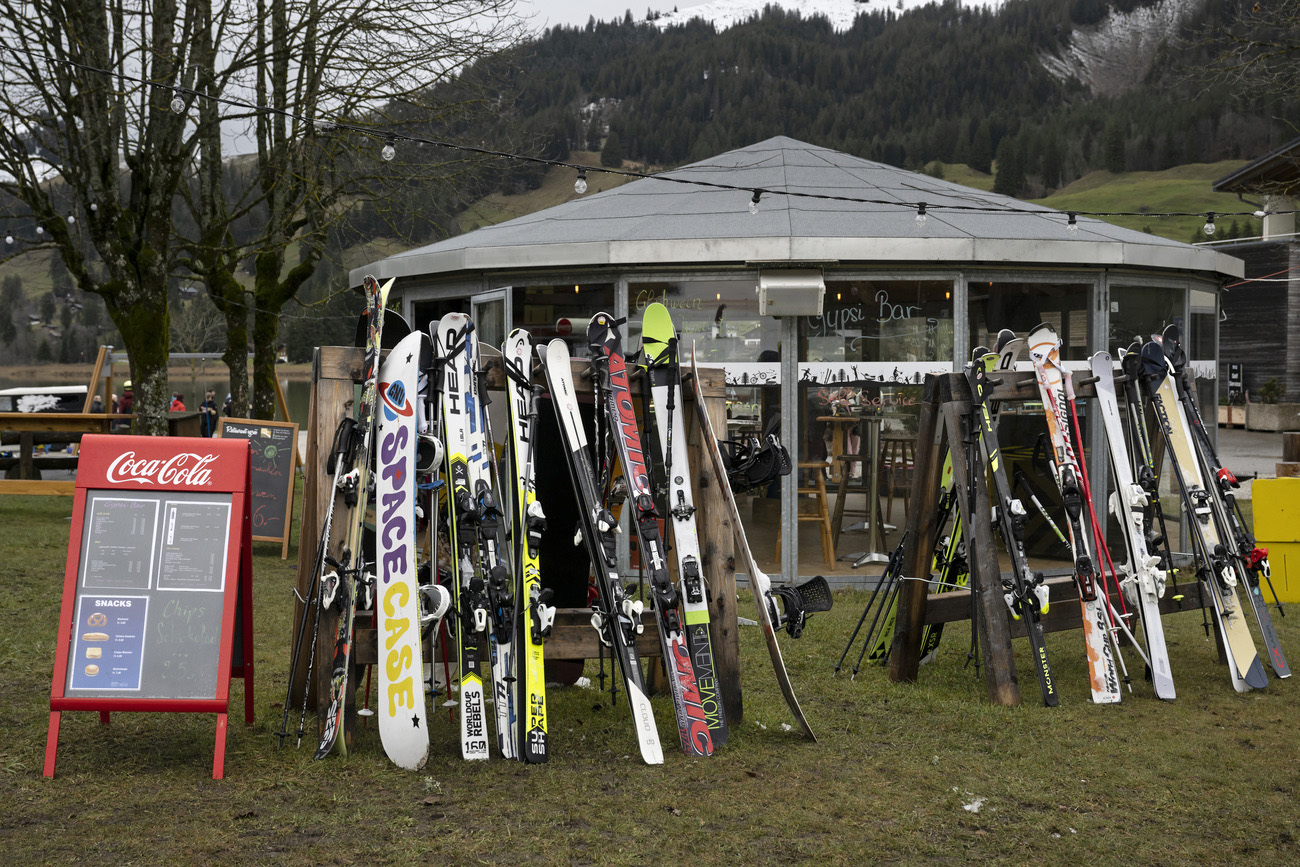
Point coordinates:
[(403, 726)]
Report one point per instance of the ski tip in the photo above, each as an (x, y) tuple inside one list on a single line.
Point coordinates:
[(1256, 677)]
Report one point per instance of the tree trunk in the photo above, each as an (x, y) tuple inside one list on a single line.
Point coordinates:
[(266, 328), (145, 329)]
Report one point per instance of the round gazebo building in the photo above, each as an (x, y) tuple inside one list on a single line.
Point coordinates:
[(901, 297)]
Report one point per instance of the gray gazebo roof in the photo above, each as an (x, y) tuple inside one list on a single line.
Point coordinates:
[(651, 222)]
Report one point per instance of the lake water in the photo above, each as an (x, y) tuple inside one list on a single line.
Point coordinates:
[(297, 390)]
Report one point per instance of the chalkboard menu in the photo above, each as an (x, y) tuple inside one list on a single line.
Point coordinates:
[(273, 445), (157, 594), (150, 596)]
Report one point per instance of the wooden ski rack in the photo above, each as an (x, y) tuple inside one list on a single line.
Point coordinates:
[(336, 370), (946, 405)]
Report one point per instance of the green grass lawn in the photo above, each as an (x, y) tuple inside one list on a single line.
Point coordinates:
[(896, 776)]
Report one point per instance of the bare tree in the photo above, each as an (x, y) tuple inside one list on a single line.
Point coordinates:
[(95, 158), (324, 74), (110, 111)]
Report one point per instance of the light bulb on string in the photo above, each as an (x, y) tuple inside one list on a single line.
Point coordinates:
[(1072, 225), (40, 230), (920, 216), (9, 240), (388, 151), (580, 185), (178, 102), (753, 203), (72, 220), (1208, 228)]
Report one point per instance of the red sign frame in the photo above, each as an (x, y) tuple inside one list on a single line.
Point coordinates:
[(165, 464)]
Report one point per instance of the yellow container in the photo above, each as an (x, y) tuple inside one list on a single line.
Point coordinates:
[(1276, 515)]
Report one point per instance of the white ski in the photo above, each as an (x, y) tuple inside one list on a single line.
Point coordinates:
[(1143, 582)]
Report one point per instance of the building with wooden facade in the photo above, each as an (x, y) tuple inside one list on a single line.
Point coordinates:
[(1260, 322)]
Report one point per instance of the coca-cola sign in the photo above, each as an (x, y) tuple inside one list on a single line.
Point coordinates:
[(187, 468)]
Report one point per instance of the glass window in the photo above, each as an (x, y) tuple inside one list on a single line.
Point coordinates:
[(1022, 307), (718, 317), (1139, 312), (719, 320), (862, 364), (882, 321), (1202, 339), (561, 310)]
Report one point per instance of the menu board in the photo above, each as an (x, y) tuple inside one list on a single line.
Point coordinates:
[(157, 611), (272, 448), (151, 594)]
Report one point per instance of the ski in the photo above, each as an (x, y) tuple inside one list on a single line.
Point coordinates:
[(616, 617), (660, 350), (1251, 560), (464, 448), (614, 398), (1143, 580), (1216, 571), (1044, 351), (344, 588), (339, 460), (796, 604), (534, 613), (494, 563), (403, 726), (1025, 591)]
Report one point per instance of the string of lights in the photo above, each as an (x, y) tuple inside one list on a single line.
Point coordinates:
[(182, 96)]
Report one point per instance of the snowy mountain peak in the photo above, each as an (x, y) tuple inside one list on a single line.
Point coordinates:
[(728, 13)]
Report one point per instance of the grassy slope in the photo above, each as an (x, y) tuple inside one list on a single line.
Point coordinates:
[(1206, 779)]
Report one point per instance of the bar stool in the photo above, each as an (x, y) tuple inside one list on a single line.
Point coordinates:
[(899, 455), (816, 494)]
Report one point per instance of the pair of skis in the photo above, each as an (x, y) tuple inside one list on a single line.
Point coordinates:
[(1221, 570), (499, 604), (684, 640)]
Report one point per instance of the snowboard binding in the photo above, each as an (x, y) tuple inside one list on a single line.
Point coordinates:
[(797, 602)]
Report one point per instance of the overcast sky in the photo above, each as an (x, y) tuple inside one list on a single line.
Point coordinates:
[(576, 12)]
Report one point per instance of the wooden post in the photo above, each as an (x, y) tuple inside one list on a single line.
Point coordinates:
[(905, 652), (717, 547), (982, 555), (334, 370)]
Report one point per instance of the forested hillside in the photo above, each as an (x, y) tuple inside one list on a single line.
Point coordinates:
[(938, 83)]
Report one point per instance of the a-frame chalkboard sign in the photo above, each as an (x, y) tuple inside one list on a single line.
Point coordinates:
[(157, 610)]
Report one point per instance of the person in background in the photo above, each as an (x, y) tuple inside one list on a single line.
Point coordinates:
[(97, 404), (178, 403), (208, 421), (127, 402), (225, 407), (112, 399)]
